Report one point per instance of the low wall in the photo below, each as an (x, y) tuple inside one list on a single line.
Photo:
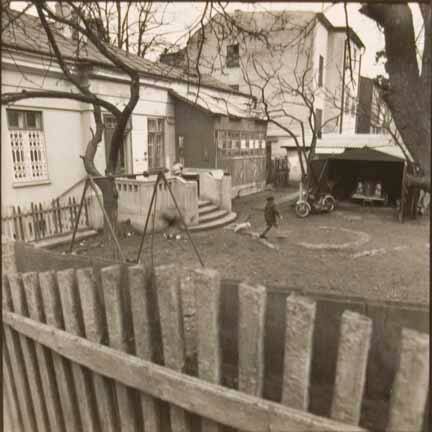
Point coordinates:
[(135, 197), (217, 189), (388, 320)]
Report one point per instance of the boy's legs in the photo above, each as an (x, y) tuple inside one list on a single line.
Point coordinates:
[(268, 228)]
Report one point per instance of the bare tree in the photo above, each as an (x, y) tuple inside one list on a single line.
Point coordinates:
[(90, 45)]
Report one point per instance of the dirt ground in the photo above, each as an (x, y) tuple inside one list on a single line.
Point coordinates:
[(362, 251)]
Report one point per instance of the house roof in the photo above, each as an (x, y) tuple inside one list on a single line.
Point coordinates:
[(210, 102), (303, 16), (25, 33)]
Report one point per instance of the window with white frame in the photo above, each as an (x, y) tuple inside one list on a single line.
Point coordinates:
[(156, 147), (27, 143)]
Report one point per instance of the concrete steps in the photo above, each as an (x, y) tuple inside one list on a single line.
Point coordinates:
[(211, 216)]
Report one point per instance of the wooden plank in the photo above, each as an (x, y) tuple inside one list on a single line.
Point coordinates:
[(71, 214), (212, 401), (15, 222), (118, 339), (10, 391), (54, 216), (35, 221), (300, 319), (49, 386), (59, 216), (19, 373), (354, 343), (168, 293), (21, 227), (251, 332), (73, 324), (86, 215), (139, 286), (207, 295), (28, 349), (411, 385), (93, 314), (62, 368)]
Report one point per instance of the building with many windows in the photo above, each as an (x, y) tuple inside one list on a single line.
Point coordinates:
[(278, 55)]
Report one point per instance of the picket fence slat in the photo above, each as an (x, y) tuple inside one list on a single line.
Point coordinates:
[(168, 294), (49, 386), (410, 387), (95, 332), (17, 365), (73, 324), (139, 286), (207, 294), (354, 343), (11, 391), (118, 339), (300, 322), (29, 354), (62, 368), (251, 328)]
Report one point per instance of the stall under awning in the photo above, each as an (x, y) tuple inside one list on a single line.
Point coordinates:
[(213, 102)]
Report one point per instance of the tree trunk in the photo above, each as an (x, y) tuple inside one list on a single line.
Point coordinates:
[(408, 95)]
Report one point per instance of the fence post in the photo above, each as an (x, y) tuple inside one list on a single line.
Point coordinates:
[(300, 321), (354, 343), (139, 286), (410, 387), (207, 293), (251, 328), (59, 216), (34, 220), (54, 317), (92, 309), (166, 279), (20, 222), (49, 386), (73, 324), (8, 255), (16, 363), (119, 339), (28, 351)]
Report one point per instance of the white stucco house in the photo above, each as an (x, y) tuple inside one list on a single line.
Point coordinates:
[(43, 138)]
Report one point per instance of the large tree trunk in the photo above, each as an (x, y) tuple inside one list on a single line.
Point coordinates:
[(409, 92), (106, 185)]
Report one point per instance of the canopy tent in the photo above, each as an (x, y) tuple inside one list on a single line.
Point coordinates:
[(349, 166)]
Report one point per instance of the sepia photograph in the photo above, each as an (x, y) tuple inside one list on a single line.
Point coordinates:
[(215, 216)]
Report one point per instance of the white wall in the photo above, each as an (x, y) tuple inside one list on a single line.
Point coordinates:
[(67, 130), (62, 130)]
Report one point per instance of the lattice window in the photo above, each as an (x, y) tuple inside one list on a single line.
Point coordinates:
[(27, 143)]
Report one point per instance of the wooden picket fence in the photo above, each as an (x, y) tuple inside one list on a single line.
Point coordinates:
[(44, 220), (109, 352)]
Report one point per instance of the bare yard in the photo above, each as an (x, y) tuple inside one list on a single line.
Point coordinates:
[(355, 250)]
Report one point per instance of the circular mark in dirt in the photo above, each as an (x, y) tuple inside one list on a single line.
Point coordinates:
[(360, 239)]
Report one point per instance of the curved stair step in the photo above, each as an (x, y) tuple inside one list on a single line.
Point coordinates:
[(216, 214), (207, 209), (217, 223), (203, 203)]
